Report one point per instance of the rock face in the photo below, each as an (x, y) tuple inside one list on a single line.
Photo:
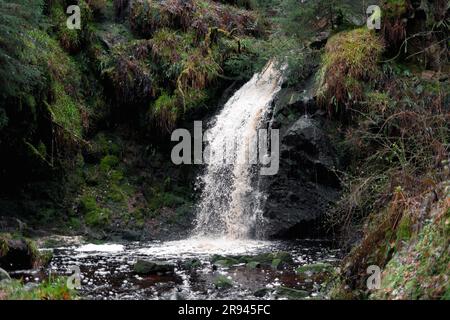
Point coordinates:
[(299, 195)]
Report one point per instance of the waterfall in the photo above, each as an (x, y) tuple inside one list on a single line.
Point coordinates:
[(230, 201)]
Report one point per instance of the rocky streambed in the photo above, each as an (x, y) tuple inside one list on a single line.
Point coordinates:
[(193, 269)]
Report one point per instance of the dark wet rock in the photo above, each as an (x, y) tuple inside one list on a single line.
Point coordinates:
[(131, 235), (291, 104), (16, 254), (4, 275), (261, 292), (320, 40), (299, 195), (223, 282), (143, 267), (291, 293), (315, 268)]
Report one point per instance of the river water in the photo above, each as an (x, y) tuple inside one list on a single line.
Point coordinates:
[(107, 269)]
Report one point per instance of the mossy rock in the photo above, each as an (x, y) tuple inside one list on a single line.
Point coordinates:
[(253, 265), (223, 282), (349, 61), (277, 264), (143, 267), (17, 252), (291, 293), (226, 262), (282, 256), (315, 268), (192, 264)]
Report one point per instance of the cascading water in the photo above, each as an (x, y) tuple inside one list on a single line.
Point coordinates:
[(229, 203)]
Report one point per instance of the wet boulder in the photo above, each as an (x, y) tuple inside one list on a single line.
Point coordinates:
[(314, 268), (17, 254), (143, 267), (191, 264), (299, 195), (290, 293)]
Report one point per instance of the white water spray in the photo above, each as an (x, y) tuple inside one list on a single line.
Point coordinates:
[(229, 204)]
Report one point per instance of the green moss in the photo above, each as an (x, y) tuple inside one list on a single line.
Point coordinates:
[(97, 218), (276, 263), (166, 109), (66, 111), (404, 228), (419, 270), (349, 61), (116, 194), (108, 163), (116, 176), (223, 282), (74, 223), (253, 264), (165, 199), (65, 81), (94, 215), (314, 268)]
